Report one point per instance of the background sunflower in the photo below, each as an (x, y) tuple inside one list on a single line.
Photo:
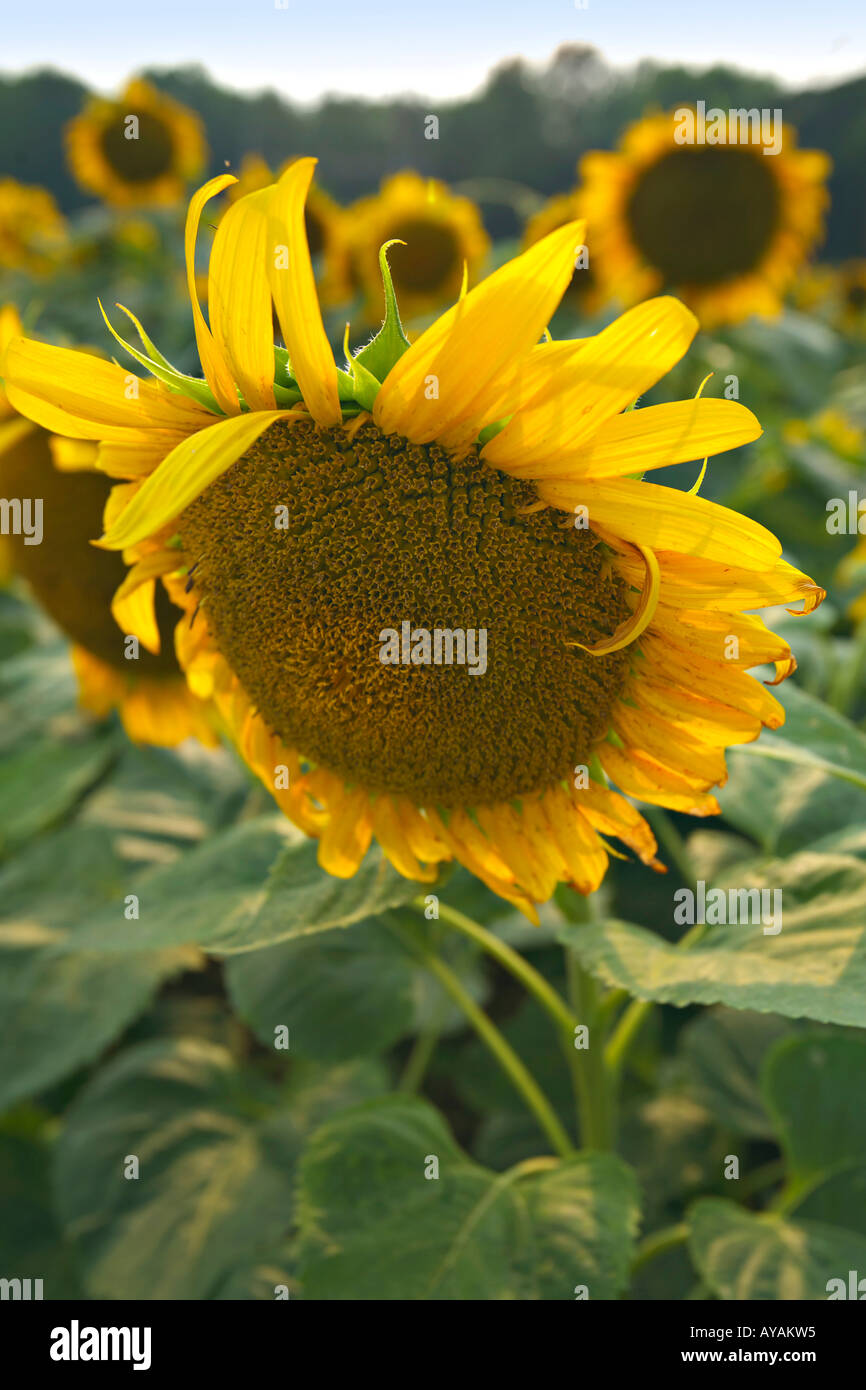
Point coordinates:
[(725, 225)]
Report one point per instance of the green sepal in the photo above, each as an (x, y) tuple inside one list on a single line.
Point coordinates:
[(389, 344), (490, 431), (190, 386), (596, 771), (286, 395), (365, 386)]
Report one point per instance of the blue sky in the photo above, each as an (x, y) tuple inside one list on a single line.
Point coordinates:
[(439, 48)]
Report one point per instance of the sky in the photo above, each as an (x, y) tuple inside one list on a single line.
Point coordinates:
[(435, 48)]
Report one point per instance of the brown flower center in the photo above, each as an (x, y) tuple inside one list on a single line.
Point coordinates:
[(388, 544), (705, 213)]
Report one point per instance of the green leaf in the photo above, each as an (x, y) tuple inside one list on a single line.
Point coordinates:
[(766, 1258), (821, 1124), (814, 736), (39, 785), (214, 1184), (814, 968), (723, 1051), (60, 1008), (253, 885), (374, 1227), (779, 806), (340, 994), (31, 1243)]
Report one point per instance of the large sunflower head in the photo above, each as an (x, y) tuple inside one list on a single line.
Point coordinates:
[(76, 584), (33, 231), (443, 239), (136, 150), (429, 590), (725, 220)]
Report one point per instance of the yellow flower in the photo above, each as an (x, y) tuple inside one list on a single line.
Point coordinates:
[(443, 234), (33, 232), (139, 149), (305, 513), (326, 225), (582, 294), (75, 583), (723, 225)]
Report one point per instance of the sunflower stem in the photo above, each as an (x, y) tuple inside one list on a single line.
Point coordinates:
[(511, 960), (595, 1095), (516, 1071)]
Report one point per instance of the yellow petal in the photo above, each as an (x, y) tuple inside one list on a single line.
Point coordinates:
[(656, 437), (662, 518), (73, 455), (135, 614), (478, 346), (185, 473), (608, 373), (294, 290), (76, 394), (347, 836), (239, 298), (213, 363)]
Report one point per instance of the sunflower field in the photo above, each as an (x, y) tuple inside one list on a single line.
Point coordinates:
[(432, 716)]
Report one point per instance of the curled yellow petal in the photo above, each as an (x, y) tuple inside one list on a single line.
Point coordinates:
[(239, 298), (213, 362), (640, 619)]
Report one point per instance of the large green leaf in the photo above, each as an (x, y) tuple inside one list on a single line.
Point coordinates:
[(217, 1151), (42, 782), (374, 1227), (814, 1086), (340, 994), (723, 1050), (767, 1258), (31, 1243), (253, 885), (60, 1007), (814, 968)]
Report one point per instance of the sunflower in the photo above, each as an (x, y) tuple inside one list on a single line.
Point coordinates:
[(443, 236), (724, 225), (326, 225), (477, 481), (583, 293), (33, 230), (75, 583), (140, 149)]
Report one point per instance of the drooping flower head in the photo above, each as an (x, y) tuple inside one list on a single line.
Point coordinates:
[(725, 218), (136, 150), (480, 481)]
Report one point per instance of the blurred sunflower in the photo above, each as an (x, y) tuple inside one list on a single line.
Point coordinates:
[(583, 293), (326, 226), (443, 235), (33, 231), (300, 511), (75, 583), (139, 149), (723, 225)]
